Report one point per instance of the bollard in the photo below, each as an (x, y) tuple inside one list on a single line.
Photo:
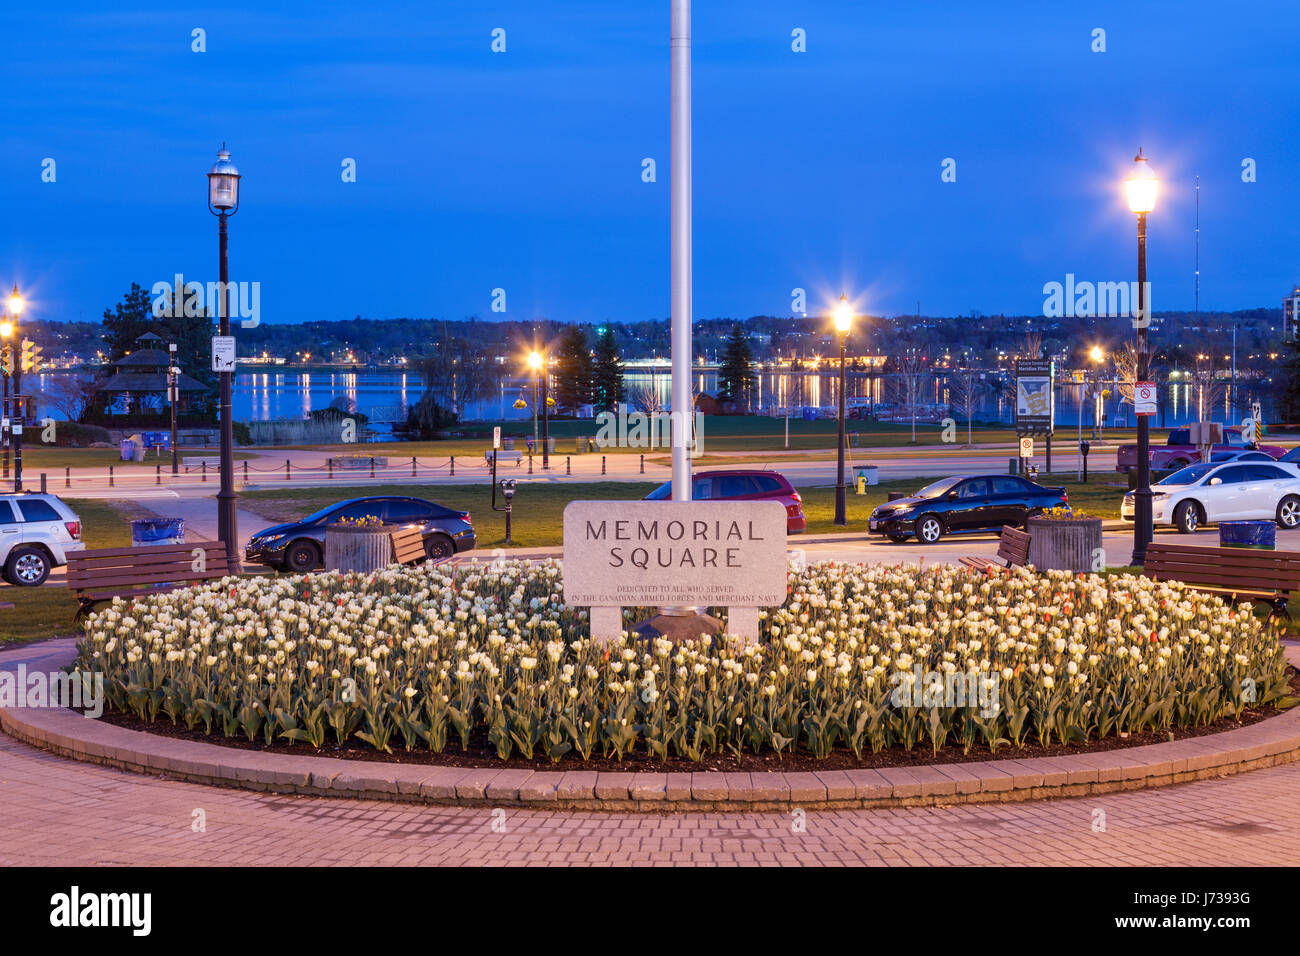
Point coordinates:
[(453, 466), (110, 476), (287, 475), (245, 471), (329, 464), (157, 477), (530, 462), (67, 477), (642, 464), (568, 470), (412, 466), (42, 482), (203, 469), (372, 466), (602, 464)]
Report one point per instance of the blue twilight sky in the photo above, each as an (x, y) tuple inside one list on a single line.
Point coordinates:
[(522, 170)]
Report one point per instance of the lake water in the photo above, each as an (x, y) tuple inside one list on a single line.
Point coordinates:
[(386, 395)]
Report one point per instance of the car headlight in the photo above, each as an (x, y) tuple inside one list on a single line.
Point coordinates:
[(271, 540), (1160, 496)]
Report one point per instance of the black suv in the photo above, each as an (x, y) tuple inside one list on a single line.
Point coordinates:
[(300, 546)]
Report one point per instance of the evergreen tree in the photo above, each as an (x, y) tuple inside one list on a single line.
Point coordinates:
[(572, 371), (736, 377), (607, 373), (129, 319)]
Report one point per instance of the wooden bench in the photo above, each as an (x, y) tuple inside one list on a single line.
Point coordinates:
[(408, 546), (1013, 549), (1235, 572), (106, 573)]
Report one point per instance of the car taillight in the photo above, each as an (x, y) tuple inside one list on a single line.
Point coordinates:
[(464, 516), (74, 528), (792, 511), (795, 496), (1065, 497)]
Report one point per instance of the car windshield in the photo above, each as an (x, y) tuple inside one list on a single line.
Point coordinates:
[(943, 486), (662, 493), (1189, 475), (318, 515)]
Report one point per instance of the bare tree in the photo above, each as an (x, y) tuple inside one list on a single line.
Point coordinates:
[(965, 386), (911, 375), (70, 394), (645, 399), (458, 373)]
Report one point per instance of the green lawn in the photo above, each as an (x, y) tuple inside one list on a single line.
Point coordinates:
[(37, 458)]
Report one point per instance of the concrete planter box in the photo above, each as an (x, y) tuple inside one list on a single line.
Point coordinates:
[(1070, 544), (358, 549)]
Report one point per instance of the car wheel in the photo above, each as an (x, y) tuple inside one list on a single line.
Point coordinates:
[(302, 556), (1031, 513), (1288, 511), (27, 567), (929, 529), (898, 538), (439, 547), (1187, 517)]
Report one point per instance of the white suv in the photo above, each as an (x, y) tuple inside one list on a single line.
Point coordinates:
[(36, 533)]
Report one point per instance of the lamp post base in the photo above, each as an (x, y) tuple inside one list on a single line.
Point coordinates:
[(678, 624)]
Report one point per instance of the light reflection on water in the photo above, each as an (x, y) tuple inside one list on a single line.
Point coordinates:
[(386, 395)]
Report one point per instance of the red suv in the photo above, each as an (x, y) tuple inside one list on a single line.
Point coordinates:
[(741, 485)]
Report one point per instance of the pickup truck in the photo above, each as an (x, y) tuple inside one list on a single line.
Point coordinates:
[(1179, 451)]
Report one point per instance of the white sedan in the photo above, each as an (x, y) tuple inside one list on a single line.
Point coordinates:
[(1199, 494)]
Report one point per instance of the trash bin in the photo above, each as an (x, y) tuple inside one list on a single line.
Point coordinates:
[(1260, 535), (128, 450), (146, 532), (508, 442)]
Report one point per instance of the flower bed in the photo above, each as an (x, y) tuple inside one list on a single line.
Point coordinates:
[(863, 658)]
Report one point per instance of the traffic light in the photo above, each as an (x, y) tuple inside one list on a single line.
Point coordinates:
[(31, 357)]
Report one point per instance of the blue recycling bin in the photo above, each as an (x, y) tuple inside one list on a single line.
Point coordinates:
[(161, 440), (1260, 535), (149, 532)]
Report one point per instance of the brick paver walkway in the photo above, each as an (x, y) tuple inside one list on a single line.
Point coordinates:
[(56, 811)]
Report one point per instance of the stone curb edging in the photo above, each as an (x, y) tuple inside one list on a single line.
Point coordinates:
[(1265, 744)]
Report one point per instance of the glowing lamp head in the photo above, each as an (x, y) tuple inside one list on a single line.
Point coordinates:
[(535, 360), (6, 329), (1141, 186), (223, 183), (843, 316), (1097, 354), (15, 303)]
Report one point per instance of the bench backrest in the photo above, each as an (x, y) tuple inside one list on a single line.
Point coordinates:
[(408, 545), (1243, 568), (103, 568), (1014, 546)]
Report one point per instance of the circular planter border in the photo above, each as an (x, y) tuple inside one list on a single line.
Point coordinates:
[(1269, 742)]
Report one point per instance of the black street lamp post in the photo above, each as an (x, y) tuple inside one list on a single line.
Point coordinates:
[(843, 322), (173, 382), (1141, 190), (16, 356), (223, 202)]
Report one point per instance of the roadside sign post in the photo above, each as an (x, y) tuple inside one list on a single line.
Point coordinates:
[(1036, 403), (1026, 453)]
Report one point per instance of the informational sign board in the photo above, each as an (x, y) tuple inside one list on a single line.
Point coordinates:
[(1144, 398), (674, 553), (1026, 448), (1035, 396), (223, 353), (496, 437)]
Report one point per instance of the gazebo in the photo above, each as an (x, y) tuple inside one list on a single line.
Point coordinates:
[(137, 389)]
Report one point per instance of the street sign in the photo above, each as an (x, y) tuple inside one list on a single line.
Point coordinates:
[(1144, 398), (1035, 396), (223, 353), (1026, 448), (496, 437)]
